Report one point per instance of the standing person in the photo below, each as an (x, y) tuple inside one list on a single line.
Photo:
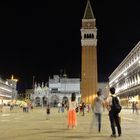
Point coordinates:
[(1, 105), (72, 118), (97, 109), (59, 107), (113, 115), (133, 106), (62, 107), (48, 112), (11, 105), (31, 106), (83, 108), (137, 107)]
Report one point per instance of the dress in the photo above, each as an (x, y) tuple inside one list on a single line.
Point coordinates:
[(72, 119)]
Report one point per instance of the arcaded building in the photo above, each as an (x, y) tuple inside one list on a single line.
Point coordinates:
[(8, 89), (126, 77), (58, 89)]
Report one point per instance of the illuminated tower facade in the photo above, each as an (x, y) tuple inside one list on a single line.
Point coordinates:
[(89, 55)]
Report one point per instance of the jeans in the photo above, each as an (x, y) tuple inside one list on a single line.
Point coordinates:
[(114, 118), (98, 119)]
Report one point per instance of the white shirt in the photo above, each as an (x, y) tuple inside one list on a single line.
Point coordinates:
[(98, 105), (59, 105), (72, 104)]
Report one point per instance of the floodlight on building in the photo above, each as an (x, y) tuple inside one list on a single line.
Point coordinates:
[(125, 74), (12, 78), (6, 83)]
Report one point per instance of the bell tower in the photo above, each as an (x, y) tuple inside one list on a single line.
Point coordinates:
[(89, 55)]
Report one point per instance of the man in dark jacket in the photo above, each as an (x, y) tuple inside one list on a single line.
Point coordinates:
[(113, 115)]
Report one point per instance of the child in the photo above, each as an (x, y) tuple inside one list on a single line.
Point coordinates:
[(48, 112)]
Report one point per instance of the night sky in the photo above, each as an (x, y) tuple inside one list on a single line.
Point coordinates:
[(42, 38)]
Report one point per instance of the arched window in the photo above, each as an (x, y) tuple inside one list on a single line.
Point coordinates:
[(88, 35), (85, 36)]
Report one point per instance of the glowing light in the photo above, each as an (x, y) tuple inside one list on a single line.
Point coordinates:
[(6, 83), (125, 74), (5, 89), (12, 78)]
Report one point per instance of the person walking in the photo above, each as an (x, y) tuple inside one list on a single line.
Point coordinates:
[(137, 107), (1, 105), (113, 114), (83, 108), (97, 111), (59, 107), (72, 118), (62, 107), (133, 106), (11, 105), (48, 112)]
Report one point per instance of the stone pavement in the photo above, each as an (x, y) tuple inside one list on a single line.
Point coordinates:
[(17, 125)]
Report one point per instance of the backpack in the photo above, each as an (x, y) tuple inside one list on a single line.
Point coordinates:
[(116, 107)]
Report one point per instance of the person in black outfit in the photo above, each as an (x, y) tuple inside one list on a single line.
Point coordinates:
[(133, 106), (113, 116), (83, 108), (48, 112)]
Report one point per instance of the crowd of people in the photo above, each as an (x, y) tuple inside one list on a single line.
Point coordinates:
[(25, 105)]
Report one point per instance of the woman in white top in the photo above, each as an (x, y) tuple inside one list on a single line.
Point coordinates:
[(72, 119)]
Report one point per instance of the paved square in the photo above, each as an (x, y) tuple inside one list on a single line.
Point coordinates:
[(17, 125)]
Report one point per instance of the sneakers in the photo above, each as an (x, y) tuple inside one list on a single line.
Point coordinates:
[(113, 135), (119, 135)]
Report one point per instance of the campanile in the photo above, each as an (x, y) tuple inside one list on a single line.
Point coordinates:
[(89, 55)]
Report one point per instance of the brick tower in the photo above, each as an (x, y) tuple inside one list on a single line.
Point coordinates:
[(89, 55)]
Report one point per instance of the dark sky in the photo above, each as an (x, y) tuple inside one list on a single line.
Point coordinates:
[(42, 37)]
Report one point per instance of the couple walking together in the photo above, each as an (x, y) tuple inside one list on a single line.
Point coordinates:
[(111, 103)]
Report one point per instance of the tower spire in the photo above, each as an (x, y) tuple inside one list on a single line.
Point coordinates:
[(88, 11)]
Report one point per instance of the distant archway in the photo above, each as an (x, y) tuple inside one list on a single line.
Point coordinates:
[(54, 100), (45, 101), (37, 101)]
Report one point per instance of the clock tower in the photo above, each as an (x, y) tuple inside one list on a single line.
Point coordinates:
[(89, 55)]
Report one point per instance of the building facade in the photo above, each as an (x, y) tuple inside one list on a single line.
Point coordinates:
[(126, 77), (40, 95), (89, 55), (59, 89), (8, 89)]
